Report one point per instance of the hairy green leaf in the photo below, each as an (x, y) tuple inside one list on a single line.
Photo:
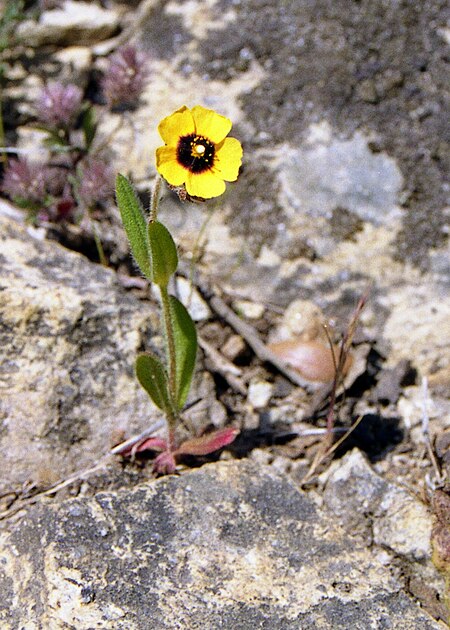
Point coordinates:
[(185, 337), (163, 253), (153, 378), (134, 223)]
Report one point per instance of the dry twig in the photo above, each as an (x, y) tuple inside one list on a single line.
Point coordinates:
[(139, 17), (22, 503), (247, 332), (438, 475), (223, 366)]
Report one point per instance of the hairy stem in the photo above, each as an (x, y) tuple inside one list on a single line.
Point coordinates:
[(167, 319), (156, 192), (98, 243), (171, 355)]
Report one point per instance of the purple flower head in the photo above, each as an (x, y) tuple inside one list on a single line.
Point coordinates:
[(56, 178), (125, 77), (58, 104), (96, 182), (24, 181)]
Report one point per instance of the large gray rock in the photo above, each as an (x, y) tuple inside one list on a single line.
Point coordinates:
[(232, 545), (69, 336)]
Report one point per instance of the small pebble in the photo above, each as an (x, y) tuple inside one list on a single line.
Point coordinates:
[(249, 310), (259, 394), (233, 347)]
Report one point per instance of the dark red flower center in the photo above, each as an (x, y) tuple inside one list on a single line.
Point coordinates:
[(195, 153)]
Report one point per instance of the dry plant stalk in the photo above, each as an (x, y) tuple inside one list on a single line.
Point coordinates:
[(326, 448)]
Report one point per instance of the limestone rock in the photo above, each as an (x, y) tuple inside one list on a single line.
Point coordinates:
[(233, 545), (79, 23), (375, 509), (69, 336), (76, 62), (190, 297), (328, 173), (259, 393), (249, 310)]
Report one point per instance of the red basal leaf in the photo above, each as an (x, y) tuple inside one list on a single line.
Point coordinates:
[(149, 444), (152, 444), (208, 443)]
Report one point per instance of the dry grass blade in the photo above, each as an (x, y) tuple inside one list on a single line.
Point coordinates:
[(340, 363), (324, 453)]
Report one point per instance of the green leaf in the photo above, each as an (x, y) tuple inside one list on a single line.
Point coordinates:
[(163, 253), (185, 337), (134, 223), (26, 204), (89, 125), (54, 141), (153, 378)]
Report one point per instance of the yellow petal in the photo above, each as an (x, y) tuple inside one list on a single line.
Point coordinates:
[(227, 159), (168, 166), (178, 124), (209, 124), (205, 185)]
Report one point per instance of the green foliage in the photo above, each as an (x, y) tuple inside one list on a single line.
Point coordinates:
[(153, 378), (134, 223), (156, 254), (26, 204), (11, 13), (185, 337), (163, 253), (89, 126), (55, 141)]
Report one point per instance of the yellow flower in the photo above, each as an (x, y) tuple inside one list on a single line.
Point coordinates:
[(197, 153)]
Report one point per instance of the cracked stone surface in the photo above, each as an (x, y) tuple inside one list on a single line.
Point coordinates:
[(233, 545)]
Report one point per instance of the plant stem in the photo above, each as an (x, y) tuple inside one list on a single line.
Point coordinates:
[(167, 317), (3, 155), (171, 355), (156, 192), (98, 244)]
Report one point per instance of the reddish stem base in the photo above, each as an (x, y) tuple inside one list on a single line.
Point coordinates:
[(166, 462)]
